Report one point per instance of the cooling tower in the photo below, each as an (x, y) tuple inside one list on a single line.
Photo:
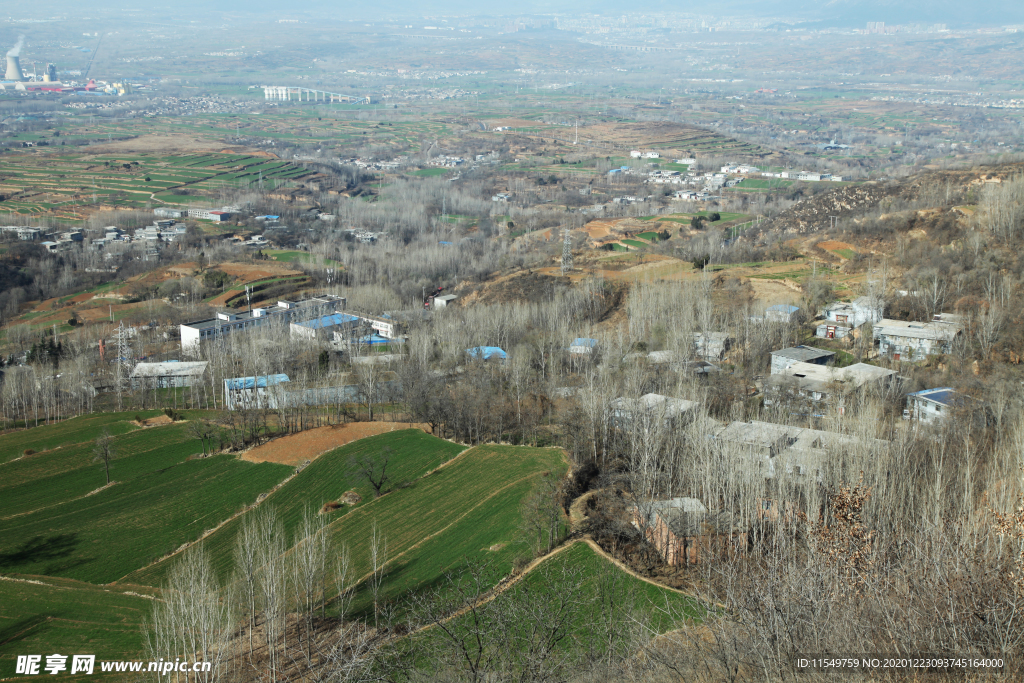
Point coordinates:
[(50, 75), (14, 69)]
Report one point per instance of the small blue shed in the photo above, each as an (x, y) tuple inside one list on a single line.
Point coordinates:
[(487, 352)]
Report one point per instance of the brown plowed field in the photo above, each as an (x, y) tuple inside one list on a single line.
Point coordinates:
[(222, 299), (832, 245), (250, 273), (91, 315), (295, 449)]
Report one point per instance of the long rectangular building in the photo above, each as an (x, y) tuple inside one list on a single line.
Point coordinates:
[(194, 334)]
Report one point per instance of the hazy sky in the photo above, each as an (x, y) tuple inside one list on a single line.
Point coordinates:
[(834, 12)]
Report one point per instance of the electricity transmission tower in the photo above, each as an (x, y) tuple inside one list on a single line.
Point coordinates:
[(125, 362), (566, 252)]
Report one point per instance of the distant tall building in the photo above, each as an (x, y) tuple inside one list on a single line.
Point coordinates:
[(50, 76)]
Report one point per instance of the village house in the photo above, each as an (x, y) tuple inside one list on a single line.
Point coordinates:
[(841, 317), (650, 408), (769, 451), (782, 313), (931, 405), (784, 358), (443, 301), (818, 383), (685, 533), (582, 346), (711, 346), (913, 341)]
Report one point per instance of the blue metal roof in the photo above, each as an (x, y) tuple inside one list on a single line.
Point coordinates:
[(372, 339), (260, 381), (328, 321), (486, 352), (784, 307), (584, 341), (942, 395)]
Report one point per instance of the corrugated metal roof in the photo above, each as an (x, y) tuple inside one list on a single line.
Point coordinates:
[(259, 381), (374, 339), (170, 368), (328, 321), (803, 353), (584, 341), (486, 352)]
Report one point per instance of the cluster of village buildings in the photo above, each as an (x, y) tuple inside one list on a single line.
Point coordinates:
[(706, 184), (683, 529)]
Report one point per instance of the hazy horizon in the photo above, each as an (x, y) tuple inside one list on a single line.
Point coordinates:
[(839, 13)]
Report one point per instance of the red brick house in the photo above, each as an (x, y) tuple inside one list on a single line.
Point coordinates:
[(686, 533)]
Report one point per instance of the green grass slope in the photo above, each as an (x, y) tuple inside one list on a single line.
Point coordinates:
[(324, 480), (122, 528), (612, 584), (453, 515), (45, 615), (601, 599), (76, 430), (62, 474)]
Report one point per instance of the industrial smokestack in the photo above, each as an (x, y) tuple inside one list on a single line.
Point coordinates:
[(14, 69)]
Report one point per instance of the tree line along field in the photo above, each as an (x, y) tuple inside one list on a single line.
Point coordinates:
[(61, 185), (62, 532)]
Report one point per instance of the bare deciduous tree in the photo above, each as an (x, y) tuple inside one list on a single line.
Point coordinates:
[(373, 467), (104, 451)]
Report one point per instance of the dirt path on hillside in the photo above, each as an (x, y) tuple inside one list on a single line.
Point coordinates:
[(511, 581), (296, 449)]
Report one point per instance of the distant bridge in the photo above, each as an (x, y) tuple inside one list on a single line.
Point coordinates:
[(284, 93)]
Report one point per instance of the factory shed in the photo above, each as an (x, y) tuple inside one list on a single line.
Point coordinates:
[(254, 391), (374, 340), (324, 325), (168, 374)]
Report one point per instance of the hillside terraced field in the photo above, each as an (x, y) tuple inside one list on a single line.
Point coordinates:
[(325, 480), (64, 186)]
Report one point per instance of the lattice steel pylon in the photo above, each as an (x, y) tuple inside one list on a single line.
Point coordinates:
[(566, 252), (125, 362)]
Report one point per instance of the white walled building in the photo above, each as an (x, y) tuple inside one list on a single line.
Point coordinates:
[(193, 334)]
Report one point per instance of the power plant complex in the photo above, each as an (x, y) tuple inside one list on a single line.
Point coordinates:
[(15, 79)]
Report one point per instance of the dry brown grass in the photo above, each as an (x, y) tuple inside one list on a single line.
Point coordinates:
[(296, 449)]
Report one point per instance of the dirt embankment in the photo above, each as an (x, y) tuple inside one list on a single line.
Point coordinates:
[(296, 449)]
